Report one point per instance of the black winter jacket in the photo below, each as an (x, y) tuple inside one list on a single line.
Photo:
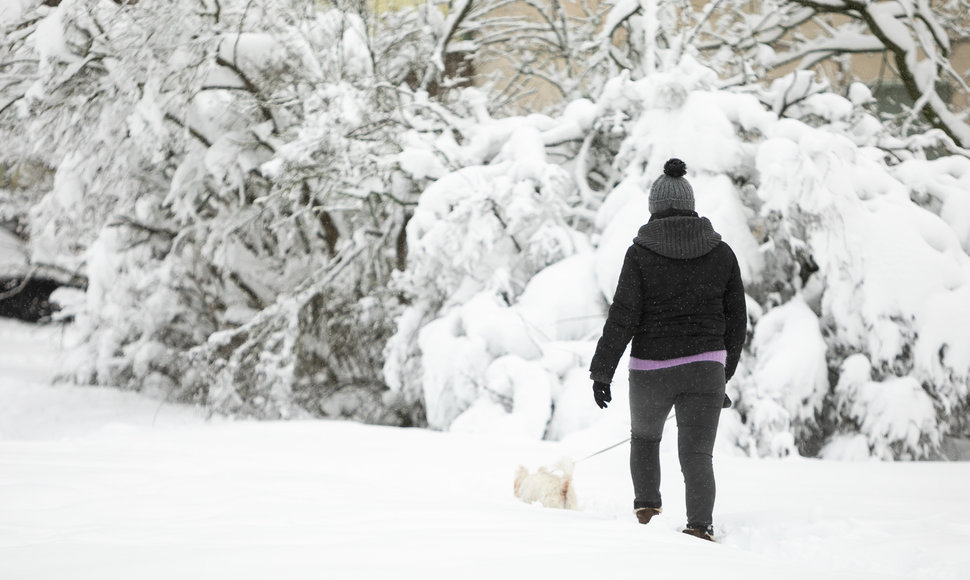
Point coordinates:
[(679, 294)]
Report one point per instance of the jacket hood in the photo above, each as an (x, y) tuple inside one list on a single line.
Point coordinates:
[(678, 234)]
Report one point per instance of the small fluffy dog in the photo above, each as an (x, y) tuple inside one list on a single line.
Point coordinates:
[(551, 487)]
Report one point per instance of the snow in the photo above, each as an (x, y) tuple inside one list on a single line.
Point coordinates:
[(790, 367), (502, 328), (575, 123), (562, 302), (49, 40), (454, 362), (859, 94), (904, 257), (249, 50), (12, 10), (891, 274), (793, 87), (851, 447), (618, 235), (456, 13), (529, 388), (526, 152), (896, 410), (352, 54), (619, 12), (147, 120), (675, 132), (883, 15), (943, 348), (66, 195), (35, 409), (420, 163), (572, 412), (13, 255), (829, 106), (719, 200), (96, 483), (944, 184)]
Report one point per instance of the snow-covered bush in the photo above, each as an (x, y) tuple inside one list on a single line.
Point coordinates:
[(227, 175), (477, 238), (841, 261)]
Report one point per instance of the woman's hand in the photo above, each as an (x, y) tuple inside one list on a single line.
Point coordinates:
[(601, 393)]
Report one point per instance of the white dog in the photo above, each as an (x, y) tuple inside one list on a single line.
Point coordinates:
[(550, 487)]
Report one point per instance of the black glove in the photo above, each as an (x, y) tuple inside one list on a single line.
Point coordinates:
[(601, 392), (727, 402)]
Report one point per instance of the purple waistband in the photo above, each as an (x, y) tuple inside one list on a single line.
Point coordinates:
[(639, 364)]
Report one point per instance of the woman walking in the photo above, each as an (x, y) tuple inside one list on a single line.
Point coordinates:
[(681, 300)]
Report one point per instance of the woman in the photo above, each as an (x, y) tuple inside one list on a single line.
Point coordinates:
[(681, 299)]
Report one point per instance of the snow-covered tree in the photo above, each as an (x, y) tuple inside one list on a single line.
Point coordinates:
[(747, 42), (215, 164), (286, 209), (852, 261)]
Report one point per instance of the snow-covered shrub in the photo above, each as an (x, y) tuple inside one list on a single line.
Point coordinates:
[(896, 417), (839, 255), (887, 273), (476, 239), (788, 378), (221, 170)]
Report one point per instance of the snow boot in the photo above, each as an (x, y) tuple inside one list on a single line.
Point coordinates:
[(702, 532), (644, 514)]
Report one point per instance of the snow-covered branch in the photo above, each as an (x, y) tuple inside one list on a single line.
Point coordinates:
[(848, 42), (898, 26), (458, 11), (249, 86)]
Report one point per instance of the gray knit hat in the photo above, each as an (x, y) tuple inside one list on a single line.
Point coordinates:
[(671, 190)]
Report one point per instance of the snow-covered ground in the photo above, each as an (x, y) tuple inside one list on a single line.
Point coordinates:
[(102, 484)]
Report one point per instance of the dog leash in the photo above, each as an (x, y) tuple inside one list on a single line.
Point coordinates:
[(604, 450), (617, 444)]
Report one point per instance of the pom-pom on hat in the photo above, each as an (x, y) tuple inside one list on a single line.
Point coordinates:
[(671, 190)]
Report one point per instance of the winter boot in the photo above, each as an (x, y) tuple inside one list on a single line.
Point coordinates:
[(702, 532), (644, 514)]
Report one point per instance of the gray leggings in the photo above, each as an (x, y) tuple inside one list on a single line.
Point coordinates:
[(695, 391)]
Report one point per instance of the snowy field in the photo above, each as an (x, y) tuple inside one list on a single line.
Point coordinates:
[(101, 484)]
